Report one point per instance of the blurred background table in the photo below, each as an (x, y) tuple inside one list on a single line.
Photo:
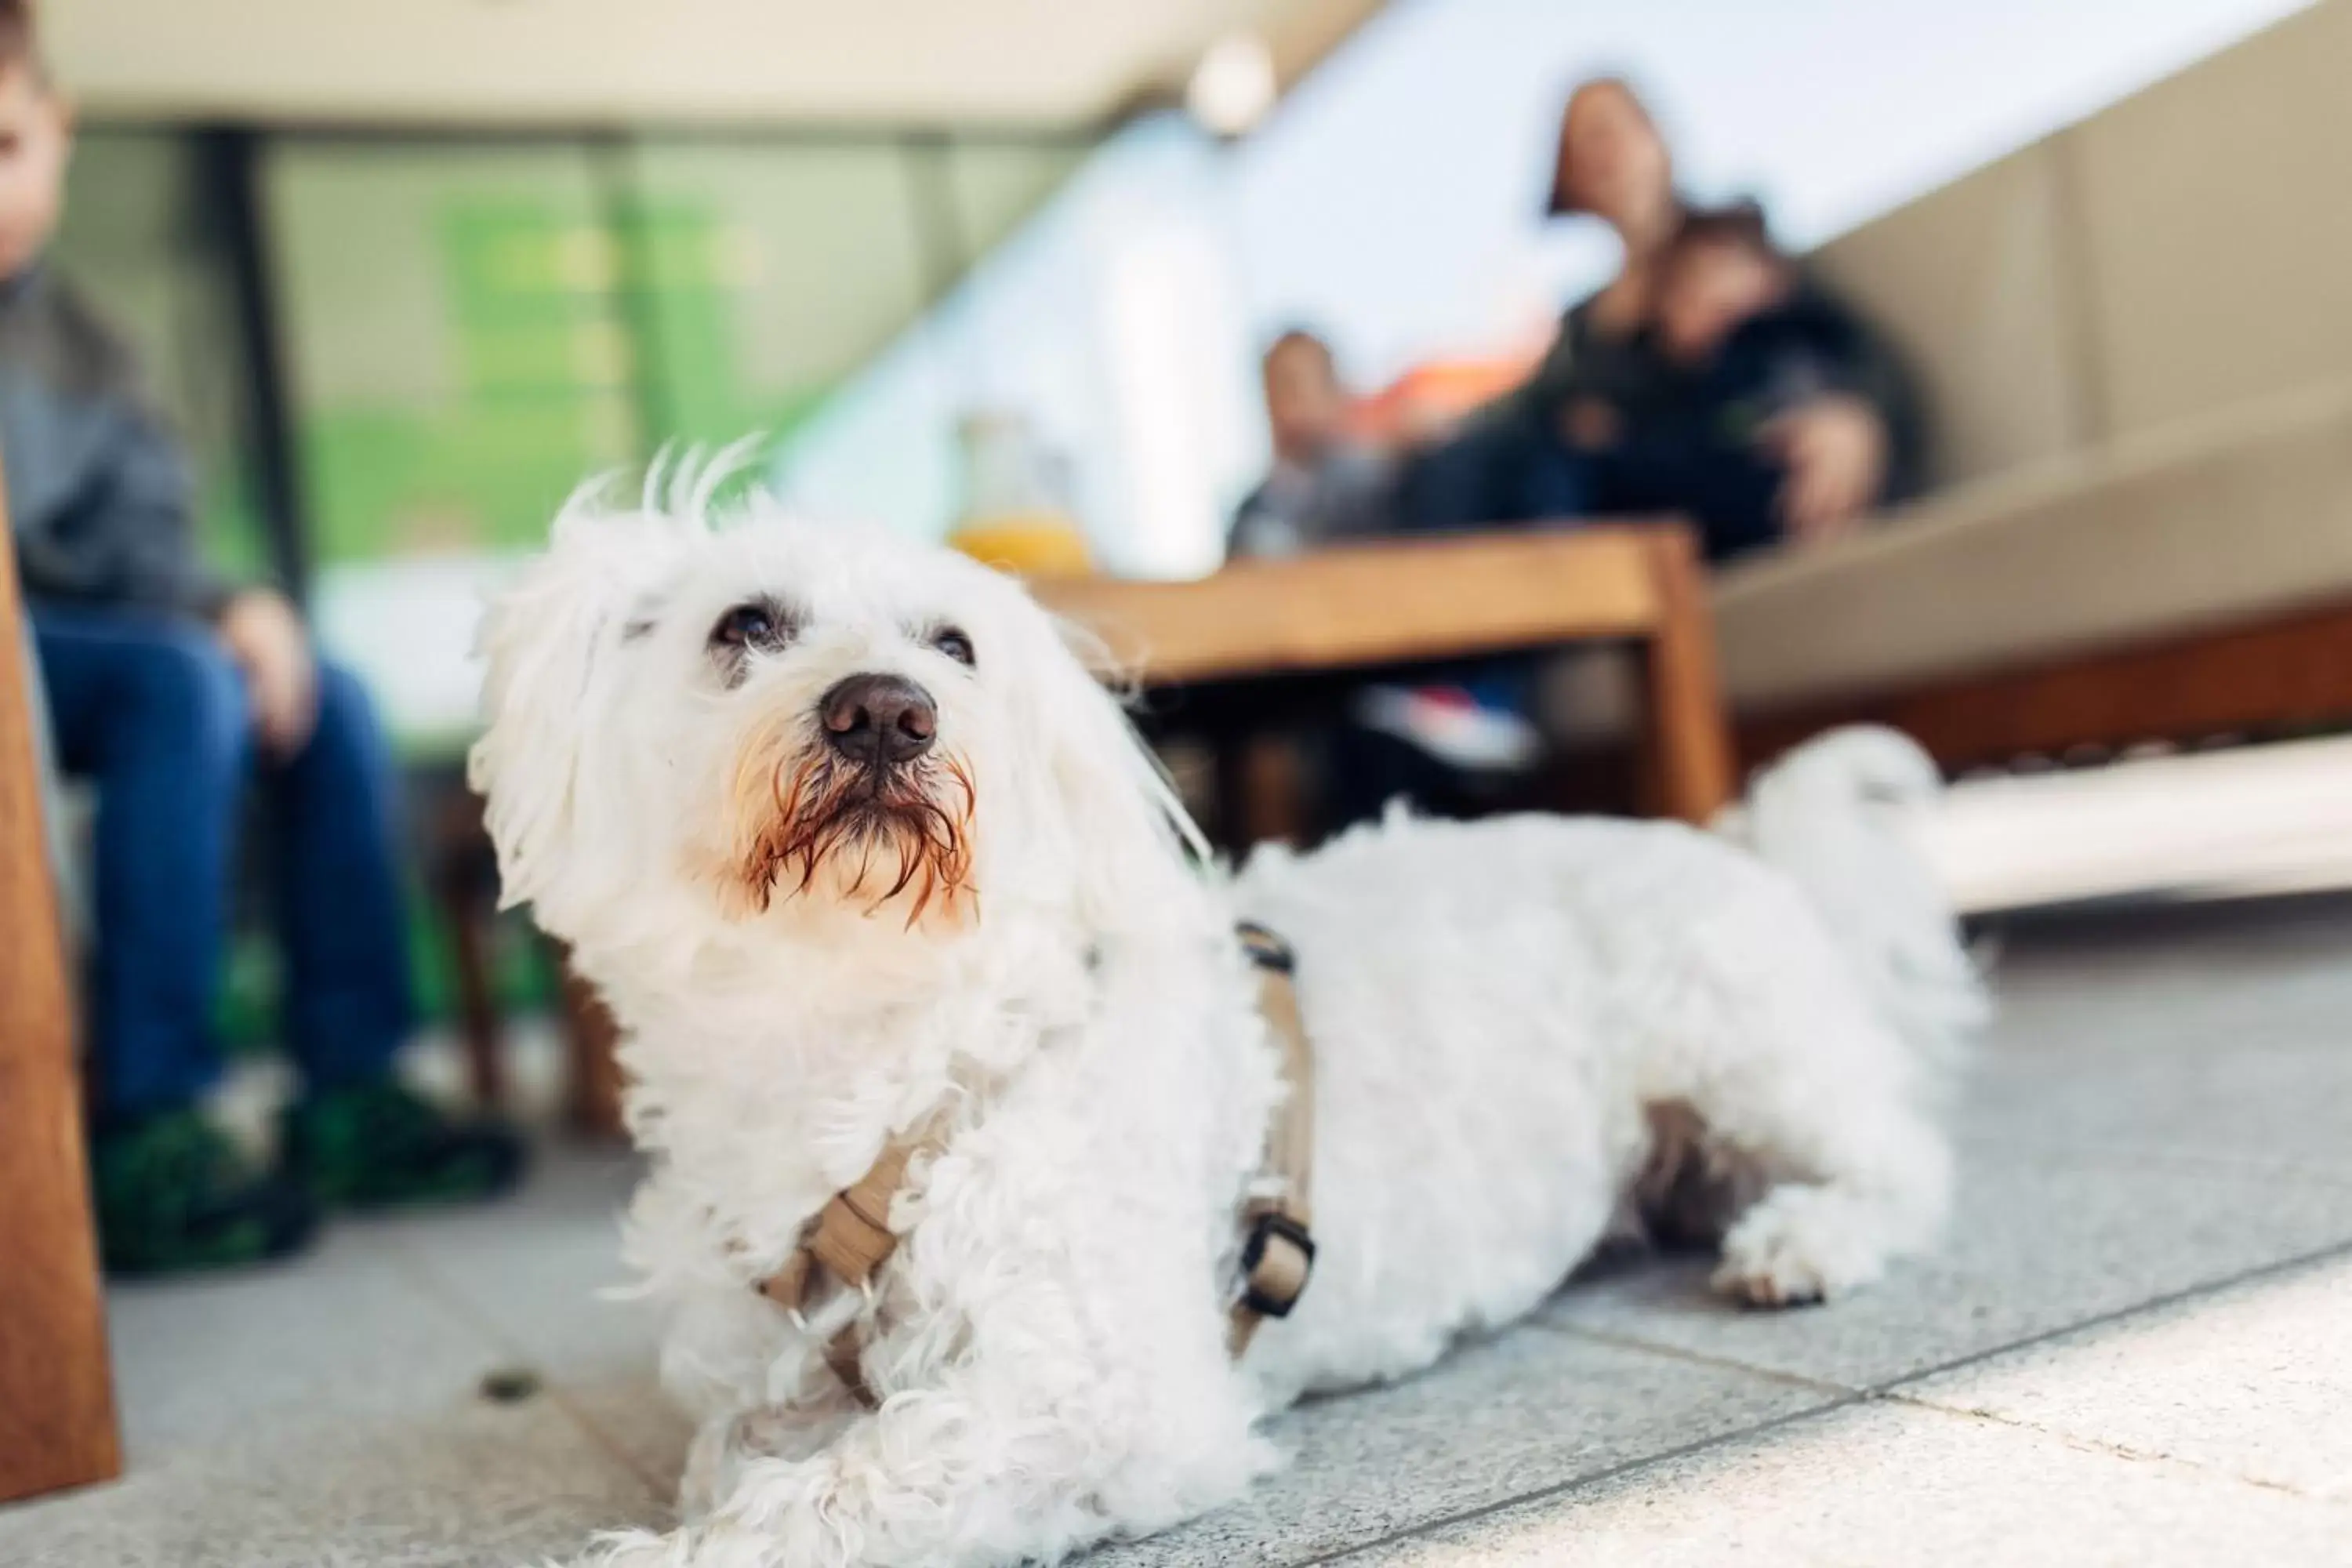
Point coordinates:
[(1251, 647)]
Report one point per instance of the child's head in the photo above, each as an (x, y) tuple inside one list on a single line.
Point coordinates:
[(36, 135), (1720, 269), (1305, 406)]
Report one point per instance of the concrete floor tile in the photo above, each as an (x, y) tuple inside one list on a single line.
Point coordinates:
[(1875, 1484), (537, 1274), (2204, 1040), (343, 1335), (636, 1420), (2255, 1382), (464, 1486), (1493, 1422), (2035, 1245), (2267, 1098), (537, 1270)]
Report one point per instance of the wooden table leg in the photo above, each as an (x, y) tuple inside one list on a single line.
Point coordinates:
[(1229, 769), (1259, 780), (1273, 788), (1686, 733), (56, 1396)]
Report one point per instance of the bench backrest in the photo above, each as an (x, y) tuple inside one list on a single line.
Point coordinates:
[(2178, 254)]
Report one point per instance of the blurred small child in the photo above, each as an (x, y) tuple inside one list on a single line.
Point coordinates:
[(1436, 742), (1325, 484), (171, 688), (1729, 313), (1753, 346)]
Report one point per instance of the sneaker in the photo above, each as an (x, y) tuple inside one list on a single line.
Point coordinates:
[(173, 1194), (377, 1144), (1452, 724)]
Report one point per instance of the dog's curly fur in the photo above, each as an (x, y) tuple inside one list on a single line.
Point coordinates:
[(1013, 936)]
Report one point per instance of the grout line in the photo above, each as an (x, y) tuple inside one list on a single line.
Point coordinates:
[(2099, 1445), (1696, 1358), (1875, 1394), (1545, 1494), (2170, 1299)]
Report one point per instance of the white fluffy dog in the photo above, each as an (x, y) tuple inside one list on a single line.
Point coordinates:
[(852, 843)]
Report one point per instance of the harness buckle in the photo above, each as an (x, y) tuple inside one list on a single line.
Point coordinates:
[(1277, 1258)]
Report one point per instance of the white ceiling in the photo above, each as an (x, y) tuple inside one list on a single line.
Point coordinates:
[(1030, 63)]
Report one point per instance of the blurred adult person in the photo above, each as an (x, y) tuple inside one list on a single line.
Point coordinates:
[(1325, 483), (166, 686), (1607, 377)]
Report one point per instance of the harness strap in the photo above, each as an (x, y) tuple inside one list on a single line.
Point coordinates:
[(1278, 1244), (851, 1239)]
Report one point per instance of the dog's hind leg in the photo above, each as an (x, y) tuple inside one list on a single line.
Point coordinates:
[(1860, 1184), (1808, 1241), (1810, 1120)]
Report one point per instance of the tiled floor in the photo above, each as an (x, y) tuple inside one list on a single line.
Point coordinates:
[(2137, 1348)]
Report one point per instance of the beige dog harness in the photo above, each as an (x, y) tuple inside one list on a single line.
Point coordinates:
[(851, 1239)]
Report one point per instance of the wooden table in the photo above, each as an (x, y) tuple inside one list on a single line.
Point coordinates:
[(56, 1401), (1367, 607)]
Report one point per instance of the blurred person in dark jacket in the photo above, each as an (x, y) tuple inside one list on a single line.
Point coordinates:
[(1754, 350), (169, 688), (1608, 378), (1325, 484)]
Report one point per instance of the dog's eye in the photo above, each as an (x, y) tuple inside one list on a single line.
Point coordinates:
[(746, 625), (952, 642)]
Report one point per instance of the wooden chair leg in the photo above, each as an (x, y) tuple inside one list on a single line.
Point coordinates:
[(595, 1063), (467, 911), (1686, 733), (56, 1396), (478, 1010)]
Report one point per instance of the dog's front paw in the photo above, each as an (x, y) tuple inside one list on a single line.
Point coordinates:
[(1799, 1246)]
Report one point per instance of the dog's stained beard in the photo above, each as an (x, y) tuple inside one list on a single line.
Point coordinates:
[(904, 829)]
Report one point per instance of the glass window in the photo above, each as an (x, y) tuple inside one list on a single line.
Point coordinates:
[(455, 339), (142, 246), (761, 274)]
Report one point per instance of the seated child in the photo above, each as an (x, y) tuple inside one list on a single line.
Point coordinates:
[(1753, 347), (1429, 743), (1324, 485), (172, 690)]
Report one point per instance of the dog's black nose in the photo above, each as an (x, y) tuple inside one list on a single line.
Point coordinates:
[(879, 719)]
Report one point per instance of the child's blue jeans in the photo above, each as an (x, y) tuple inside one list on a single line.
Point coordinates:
[(153, 711)]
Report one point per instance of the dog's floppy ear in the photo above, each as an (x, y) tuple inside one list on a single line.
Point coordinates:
[(1108, 806), (551, 643)]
